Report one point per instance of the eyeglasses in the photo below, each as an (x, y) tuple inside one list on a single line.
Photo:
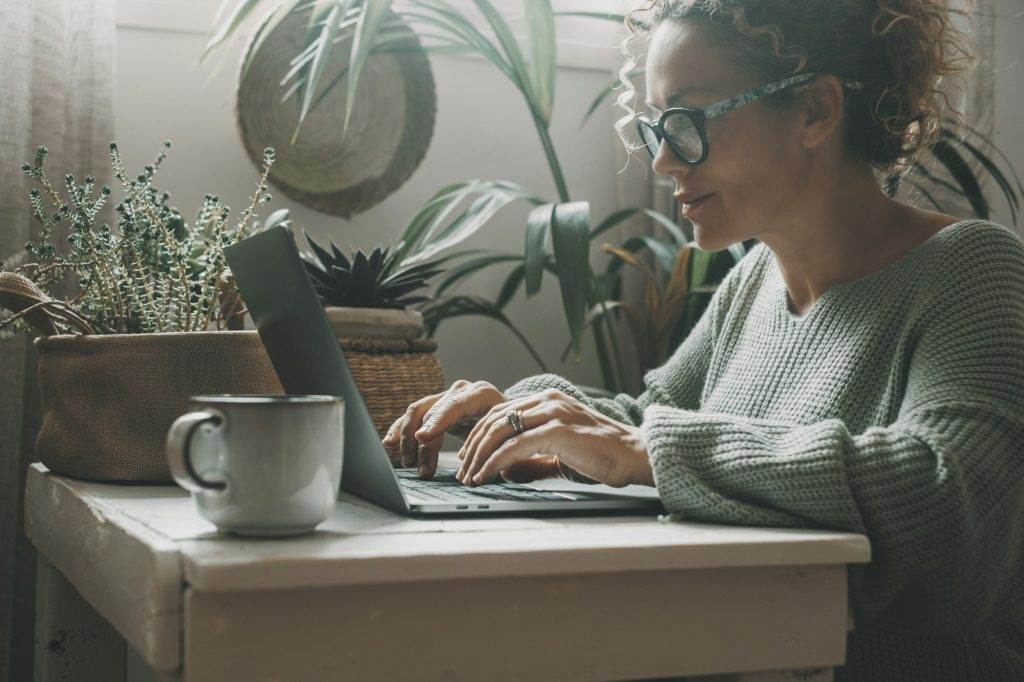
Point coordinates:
[(685, 129)]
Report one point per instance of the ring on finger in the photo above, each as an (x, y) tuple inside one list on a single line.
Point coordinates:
[(515, 418)]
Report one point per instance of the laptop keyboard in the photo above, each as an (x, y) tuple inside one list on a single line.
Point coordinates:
[(444, 487)]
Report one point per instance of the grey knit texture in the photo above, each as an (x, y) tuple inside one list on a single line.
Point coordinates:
[(894, 408)]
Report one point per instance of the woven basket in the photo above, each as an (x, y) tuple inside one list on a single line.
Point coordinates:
[(109, 400), (391, 373)]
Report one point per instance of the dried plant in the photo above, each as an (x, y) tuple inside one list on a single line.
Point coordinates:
[(154, 272)]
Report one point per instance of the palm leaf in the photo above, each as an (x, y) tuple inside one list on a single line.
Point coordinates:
[(323, 46), (220, 32), (606, 93), (538, 225), (510, 285), (469, 267), (440, 310), (962, 173), (541, 33), (623, 214), (570, 231), (992, 169)]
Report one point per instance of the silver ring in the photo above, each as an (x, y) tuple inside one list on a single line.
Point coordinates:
[(515, 418)]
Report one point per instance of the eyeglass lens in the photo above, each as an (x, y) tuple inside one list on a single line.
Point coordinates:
[(682, 134)]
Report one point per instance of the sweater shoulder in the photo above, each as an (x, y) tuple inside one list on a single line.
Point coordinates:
[(972, 260)]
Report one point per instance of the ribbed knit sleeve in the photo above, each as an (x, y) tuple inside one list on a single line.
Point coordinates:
[(939, 492), (688, 365)]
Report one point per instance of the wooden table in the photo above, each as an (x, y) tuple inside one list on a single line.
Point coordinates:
[(134, 584)]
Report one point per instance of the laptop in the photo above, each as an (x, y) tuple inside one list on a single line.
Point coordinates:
[(308, 359)]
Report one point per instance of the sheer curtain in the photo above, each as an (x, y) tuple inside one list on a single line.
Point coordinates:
[(56, 89)]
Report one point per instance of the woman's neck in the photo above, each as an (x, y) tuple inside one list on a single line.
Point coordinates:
[(848, 228)]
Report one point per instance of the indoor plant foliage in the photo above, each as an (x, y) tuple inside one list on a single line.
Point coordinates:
[(119, 359), (374, 281), (367, 299), (153, 272)]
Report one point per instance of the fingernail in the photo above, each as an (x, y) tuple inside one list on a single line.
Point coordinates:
[(477, 478), (423, 470)]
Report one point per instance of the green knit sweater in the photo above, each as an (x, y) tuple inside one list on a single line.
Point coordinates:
[(893, 408)]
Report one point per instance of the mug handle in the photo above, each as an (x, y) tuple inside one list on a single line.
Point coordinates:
[(179, 460)]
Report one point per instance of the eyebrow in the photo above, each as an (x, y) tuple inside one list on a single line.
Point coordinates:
[(674, 97)]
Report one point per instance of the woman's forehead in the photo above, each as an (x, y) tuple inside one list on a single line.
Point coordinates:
[(681, 62)]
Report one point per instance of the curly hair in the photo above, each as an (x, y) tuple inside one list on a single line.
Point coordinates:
[(902, 50)]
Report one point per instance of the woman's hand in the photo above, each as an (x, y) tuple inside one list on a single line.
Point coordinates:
[(416, 437), (557, 428)]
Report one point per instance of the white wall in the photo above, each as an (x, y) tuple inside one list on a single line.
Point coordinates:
[(482, 130)]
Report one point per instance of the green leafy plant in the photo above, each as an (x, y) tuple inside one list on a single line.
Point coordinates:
[(365, 281), (153, 271)]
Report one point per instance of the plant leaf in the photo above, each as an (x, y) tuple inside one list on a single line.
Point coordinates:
[(963, 174), (459, 306), (510, 286), (324, 43), (220, 32), (700, 260), (606, 93), (264, 30), (538, 224), (479, 213), (469, 267), (370, 20), (623, 214), (540, 22), (570, 242), (993, 170)]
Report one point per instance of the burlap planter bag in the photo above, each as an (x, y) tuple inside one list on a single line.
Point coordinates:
[(391, 373), (108, 400)]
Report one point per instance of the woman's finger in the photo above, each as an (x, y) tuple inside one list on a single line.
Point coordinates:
[(500, 434), (533, 468), (412, 419), (470, 401), (495, 419), (427, 465), (390, 439), (525, 445)]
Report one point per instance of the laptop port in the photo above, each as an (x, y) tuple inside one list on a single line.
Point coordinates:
[(462, 506), (483, 506)]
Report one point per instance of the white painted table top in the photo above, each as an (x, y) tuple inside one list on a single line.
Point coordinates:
[(130, 548)]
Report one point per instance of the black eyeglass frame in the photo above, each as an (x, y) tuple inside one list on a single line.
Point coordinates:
[(700, 117)]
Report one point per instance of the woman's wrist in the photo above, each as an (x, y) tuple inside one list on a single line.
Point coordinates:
[(642, 473)]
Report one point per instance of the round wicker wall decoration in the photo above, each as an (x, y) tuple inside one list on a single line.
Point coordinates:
[(389, 129)]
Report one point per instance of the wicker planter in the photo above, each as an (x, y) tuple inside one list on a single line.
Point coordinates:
[(108, 400), (389, 364)]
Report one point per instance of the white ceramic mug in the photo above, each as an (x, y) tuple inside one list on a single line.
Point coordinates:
[(260, 465)]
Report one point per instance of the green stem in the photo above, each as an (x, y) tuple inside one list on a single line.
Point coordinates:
[(549, 151)]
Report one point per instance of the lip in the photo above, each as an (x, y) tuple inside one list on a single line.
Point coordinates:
[(692, 203)]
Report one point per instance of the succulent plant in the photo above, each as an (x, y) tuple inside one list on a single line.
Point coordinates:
[(365, 281)]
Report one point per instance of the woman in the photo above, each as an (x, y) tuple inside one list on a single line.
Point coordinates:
[(862, 368)]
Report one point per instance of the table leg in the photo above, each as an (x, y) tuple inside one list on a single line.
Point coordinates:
[(72, 641)]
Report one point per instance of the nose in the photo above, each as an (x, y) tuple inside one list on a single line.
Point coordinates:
[(666, 161)]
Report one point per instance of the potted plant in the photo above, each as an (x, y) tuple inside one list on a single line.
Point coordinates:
[(366, 298), (148, 324)]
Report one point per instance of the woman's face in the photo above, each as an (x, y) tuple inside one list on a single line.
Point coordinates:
[(756, 167)]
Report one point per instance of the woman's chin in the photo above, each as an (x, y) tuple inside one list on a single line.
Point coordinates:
[(709, 238)]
